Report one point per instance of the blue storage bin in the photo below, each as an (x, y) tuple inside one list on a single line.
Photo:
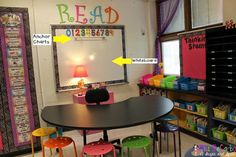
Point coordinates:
[(180, 104), (180, 80), (201, 129), (191, 85), (191, 106)]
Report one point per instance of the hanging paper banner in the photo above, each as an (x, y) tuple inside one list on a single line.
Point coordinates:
[(194, 55), (17, 78)]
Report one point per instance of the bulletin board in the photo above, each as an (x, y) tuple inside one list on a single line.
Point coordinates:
[(94, 46), (193, 54)]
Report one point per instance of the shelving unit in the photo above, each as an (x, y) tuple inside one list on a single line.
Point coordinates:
[(221, 61), (195, 113), (181, 113)]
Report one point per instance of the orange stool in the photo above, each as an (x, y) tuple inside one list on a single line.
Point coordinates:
[(98, 148), (41, 132), (59, 142)]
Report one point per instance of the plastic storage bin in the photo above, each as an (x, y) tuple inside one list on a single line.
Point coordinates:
[(201, 108), (218, 134), (155, 80), (191, 85), (168, 82), (232, 117), (180, 104), (145, 79), (201, 129), (180, 80), (191, 106), (230, 138), (191, 126), (219, 114)]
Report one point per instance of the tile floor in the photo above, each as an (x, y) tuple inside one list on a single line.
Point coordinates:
[(187, 141)]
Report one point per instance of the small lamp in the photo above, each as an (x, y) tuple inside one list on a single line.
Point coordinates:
[(80, 72)]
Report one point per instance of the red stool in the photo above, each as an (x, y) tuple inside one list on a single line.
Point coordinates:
[(98, 148), (59, 142)]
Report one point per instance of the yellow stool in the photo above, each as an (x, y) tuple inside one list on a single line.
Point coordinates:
[(58, 142), (41, 132)]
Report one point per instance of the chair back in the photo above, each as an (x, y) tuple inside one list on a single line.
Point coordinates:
[(97, 96)]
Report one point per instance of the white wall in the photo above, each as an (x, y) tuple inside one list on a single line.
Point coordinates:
[(138, 16)]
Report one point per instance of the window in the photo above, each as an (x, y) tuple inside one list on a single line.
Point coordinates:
[(206, 12), (170, 56), (177, 23)]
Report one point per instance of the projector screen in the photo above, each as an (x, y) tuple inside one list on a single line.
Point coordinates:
[(94, 46)]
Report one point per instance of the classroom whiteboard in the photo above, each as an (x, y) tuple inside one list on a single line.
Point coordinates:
[(94, 46)]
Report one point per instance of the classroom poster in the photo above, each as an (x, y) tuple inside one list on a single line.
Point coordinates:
[(14, 56), (194, 55)]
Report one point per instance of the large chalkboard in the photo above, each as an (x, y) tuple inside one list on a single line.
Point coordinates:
[(94, 46)]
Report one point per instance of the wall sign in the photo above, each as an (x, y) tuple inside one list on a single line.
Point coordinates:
[(193, 55), (99, 14), (17, 77)]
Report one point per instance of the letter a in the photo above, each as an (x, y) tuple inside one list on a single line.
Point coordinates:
[(59, 6), (95, 15), (109, 11)]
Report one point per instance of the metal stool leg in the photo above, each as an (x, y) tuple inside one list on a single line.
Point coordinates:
[(128, 152), (174, 143), (179, 143), (32, 145), (43, 151), (114, 152), (60, 152), (122, 151), (75, 149), (167, 142), (160, 142), (146, 151)]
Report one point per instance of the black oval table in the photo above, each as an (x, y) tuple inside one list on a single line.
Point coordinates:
[(131, 112)]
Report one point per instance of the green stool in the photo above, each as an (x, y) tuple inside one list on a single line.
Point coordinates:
[(136, 141)]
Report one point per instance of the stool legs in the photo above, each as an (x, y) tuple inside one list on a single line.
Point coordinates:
[(174, 143), (43, 151), (60, 152), (32, 145), (167, 143), (179, 143), (147, 153), (75, 149), (114, 152), (160, 142)]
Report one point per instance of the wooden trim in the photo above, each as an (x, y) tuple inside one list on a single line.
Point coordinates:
[(187, 15), (158, 16)]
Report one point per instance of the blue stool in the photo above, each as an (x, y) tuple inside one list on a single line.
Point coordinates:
[(166, 127)]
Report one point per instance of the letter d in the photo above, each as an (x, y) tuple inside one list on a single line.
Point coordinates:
[(109, 11)]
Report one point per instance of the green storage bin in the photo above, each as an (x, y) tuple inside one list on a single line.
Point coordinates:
[(191, 126), (201, 108), (168, 82), (218, 134)]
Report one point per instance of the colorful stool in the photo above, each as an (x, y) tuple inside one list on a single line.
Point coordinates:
[(165, 127), (59, 142), (41, 132), (98, 148), (137, 141)]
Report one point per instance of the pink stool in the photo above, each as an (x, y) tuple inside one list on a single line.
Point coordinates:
[(98, 148)]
